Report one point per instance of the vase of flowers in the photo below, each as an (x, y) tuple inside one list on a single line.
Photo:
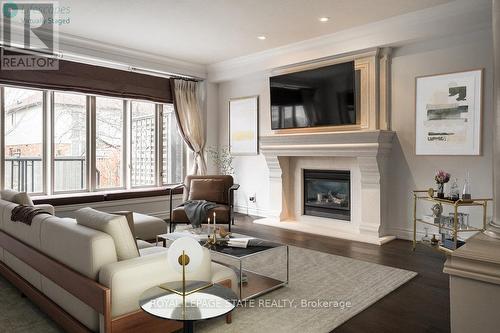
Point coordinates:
[(441, 178)]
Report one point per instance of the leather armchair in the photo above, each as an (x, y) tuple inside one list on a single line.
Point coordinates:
[(225, 204)]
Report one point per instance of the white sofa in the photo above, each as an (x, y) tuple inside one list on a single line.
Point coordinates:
[(92, 253)]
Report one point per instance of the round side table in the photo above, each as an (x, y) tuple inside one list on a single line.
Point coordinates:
[(211, 302)]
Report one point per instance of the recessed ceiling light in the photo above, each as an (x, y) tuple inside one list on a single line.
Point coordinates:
[(261, 37), (324, 19)]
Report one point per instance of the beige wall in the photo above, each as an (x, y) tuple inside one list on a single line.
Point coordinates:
[(408, 171)]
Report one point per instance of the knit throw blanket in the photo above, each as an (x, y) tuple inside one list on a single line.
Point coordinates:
[(197, 210), (26, 214)]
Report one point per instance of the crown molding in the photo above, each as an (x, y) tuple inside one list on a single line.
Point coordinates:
[(457, 17), (106, 52)]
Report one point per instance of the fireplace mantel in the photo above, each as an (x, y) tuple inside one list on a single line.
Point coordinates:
[(366, 151), (355, 143)]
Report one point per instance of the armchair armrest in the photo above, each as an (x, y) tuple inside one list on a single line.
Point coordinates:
[(176, 187), (128, 279), (234, 187), (231, 190), (171, 195)]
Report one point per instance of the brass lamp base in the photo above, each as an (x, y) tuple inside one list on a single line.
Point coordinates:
[(185, 293)]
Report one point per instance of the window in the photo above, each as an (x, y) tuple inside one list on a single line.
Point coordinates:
[(143, 128), (24, 133), (69, 142), (109, 142), (173, 148), (60, 142)]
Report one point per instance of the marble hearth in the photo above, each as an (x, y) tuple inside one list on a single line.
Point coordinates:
[(363, 153)]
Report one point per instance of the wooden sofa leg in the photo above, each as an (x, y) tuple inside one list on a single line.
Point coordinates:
[(229, 319)]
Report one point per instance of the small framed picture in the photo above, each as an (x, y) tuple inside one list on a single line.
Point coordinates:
[(244, 125), (448, 114)]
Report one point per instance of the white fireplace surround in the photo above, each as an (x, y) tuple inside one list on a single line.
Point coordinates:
[(363, 153)]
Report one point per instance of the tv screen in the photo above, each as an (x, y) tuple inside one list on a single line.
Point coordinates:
[(323, 96)]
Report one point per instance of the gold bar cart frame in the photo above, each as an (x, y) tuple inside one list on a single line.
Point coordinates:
[(417, 195)]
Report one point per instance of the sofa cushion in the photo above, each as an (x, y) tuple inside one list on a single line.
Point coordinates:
[(153, 250), (226, 179), (20, 198), (83, 249), (29, 234), (222, 211), (207, 189), (114, 225)]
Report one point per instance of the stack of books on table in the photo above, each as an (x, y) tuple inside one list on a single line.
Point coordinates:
[(239, 242)]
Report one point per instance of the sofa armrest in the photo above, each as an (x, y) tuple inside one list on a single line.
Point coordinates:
[(46, 207), (128, 279)]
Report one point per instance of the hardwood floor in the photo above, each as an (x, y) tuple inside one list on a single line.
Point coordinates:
[(421, 305)]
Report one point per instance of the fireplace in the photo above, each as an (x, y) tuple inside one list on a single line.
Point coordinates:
[(327, 193)]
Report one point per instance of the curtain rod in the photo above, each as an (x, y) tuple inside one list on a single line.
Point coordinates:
[(103, 62)]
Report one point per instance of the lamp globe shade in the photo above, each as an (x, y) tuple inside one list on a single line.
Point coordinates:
[(192, 249)]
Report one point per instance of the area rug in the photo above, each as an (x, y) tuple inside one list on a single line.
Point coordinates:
[(324, 291), (18, 314)]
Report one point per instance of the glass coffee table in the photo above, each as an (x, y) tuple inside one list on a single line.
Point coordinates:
[(212, 302), (261, 267)]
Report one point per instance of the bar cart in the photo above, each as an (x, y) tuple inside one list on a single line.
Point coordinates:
[(455, 229)]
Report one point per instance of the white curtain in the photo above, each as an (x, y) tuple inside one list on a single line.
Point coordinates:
[(188, 113)]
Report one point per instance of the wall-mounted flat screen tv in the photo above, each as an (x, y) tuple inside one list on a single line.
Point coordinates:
[(323, 96)]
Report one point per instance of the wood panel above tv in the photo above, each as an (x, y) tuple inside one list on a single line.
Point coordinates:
[(373, 112)]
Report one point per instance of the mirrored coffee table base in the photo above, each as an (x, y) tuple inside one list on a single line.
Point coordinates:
[(251, 283)]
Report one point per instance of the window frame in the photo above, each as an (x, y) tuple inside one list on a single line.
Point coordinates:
[(44, 137), (156, 152), (52, 144), (183, 156), (93, 135), (48, 144)]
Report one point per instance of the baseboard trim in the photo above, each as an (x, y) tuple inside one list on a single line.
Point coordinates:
[(405, 233), (254, 211)]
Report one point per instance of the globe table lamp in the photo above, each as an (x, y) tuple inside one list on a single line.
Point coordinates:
[(185, 255)]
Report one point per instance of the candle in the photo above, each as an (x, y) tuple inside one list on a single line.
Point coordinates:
[(214, 219), (209, 225)]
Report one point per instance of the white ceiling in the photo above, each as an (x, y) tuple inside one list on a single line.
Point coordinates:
[(209, 31)]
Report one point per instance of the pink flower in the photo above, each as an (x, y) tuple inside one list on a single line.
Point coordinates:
[(442, 177)]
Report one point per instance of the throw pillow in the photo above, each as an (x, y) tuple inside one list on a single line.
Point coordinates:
[(207, 189), (114, 225), (20, 198)]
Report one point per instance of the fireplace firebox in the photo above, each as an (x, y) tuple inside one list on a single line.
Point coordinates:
[(327, 193)]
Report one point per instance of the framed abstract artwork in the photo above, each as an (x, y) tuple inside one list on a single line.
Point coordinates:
[(244, 125), (448, 114)]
